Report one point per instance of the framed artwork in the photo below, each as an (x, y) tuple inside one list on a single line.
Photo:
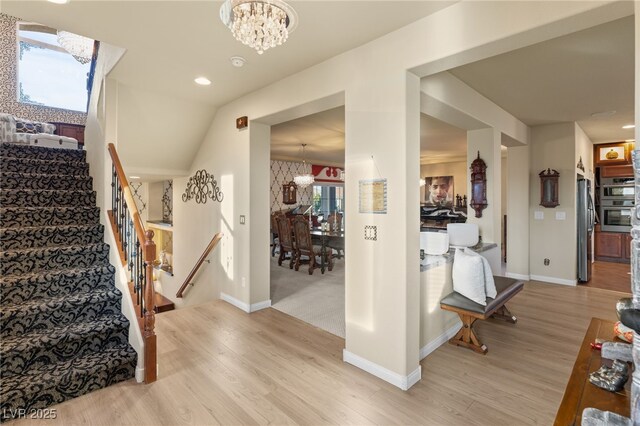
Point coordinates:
[(373, 196), (612, 153), (439, 191)]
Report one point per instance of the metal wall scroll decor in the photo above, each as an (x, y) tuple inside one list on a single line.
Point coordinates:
[(202, 186)]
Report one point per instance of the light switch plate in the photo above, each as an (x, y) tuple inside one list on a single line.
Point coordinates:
[(538, 215), (242, 219), (561, 215)]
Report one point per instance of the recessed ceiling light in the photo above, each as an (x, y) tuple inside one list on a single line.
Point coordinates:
[(604, 113), (134, 177), (203, 81), (629, 126), (237, 61), (58, 1)]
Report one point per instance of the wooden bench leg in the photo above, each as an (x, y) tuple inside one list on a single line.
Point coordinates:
[(467, 337), (504, 314)]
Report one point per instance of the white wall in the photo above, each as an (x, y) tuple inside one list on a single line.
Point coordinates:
[(157, 134), (518, 214), (456, 169), (553, 146)]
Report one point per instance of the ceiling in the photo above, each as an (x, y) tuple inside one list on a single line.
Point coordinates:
[(565, 79), (322, 132), (199, 44), (561, 80)]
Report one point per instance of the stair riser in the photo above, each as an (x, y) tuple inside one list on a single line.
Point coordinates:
[(18, 165), (40, 198), (20, 360), (16, 217), (41, 153), (57, 314), (21, 289), (75, 382), (24, 238), (21, 262), (61, 182)]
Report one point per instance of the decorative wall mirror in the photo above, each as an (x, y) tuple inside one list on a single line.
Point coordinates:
[(549, 188), (478, 185), (289, 193)]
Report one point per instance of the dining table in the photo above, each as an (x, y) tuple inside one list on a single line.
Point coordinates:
[(328, 239)]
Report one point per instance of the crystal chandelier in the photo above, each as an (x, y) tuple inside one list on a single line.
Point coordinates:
[(81, 48), (259, 24), (305, 179)]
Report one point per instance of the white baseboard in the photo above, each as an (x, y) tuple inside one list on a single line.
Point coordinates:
[(440, 340), (139, 374), (518, 276), (554, 280), (235, 302), (260, 305), (245, 306), (403, 382)]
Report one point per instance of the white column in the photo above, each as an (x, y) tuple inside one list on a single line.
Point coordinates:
[(383, 276)]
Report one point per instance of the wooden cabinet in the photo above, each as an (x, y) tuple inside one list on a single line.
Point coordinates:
[(608, 244), (616, 171), (75, 131), (626, 246), (613, 246)]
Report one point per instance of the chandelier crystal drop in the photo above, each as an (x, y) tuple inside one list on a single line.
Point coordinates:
[(305, 179), (259, 24), (81, 48)]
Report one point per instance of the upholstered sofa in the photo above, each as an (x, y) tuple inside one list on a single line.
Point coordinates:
[(18, 130)]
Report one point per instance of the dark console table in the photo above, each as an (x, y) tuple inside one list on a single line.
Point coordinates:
[(580, 393)]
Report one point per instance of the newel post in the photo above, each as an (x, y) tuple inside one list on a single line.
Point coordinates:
[(149, 335)]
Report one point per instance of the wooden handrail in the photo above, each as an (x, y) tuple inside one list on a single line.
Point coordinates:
[(138, 253), (214, 242)]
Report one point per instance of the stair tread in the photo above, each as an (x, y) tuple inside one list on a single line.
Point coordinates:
[(6, 281), (78, 163), (66, 249), (50, 376), (50, 236), (30, 149), (52, 335), (52, 303), (48, 175)]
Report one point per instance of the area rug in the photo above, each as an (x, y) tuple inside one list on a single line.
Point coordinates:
[(316, 299)]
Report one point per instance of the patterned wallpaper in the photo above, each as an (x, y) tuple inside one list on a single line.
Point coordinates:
[(9, 82), (282, 172)]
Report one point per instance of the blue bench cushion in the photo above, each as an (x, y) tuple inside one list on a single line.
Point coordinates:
[(506, 288)]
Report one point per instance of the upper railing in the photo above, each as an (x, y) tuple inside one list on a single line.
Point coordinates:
[(137, 251), (214, 242)]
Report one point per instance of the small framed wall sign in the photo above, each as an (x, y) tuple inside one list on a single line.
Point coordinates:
[(373, 196), (612, 153)]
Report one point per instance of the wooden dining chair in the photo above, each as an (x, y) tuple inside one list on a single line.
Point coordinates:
[(285, 236), (274, 234), (335, 224), (304, 246), (335, 221)]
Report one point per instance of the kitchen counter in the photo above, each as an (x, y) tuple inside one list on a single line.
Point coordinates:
[(433, 261)]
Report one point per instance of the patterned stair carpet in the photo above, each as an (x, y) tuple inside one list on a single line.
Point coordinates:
[(62, 332)]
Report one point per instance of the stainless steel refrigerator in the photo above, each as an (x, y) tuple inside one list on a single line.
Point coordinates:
[(586, 221)]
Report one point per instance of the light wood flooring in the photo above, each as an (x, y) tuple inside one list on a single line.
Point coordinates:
[(219, 365), (610, 276)]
